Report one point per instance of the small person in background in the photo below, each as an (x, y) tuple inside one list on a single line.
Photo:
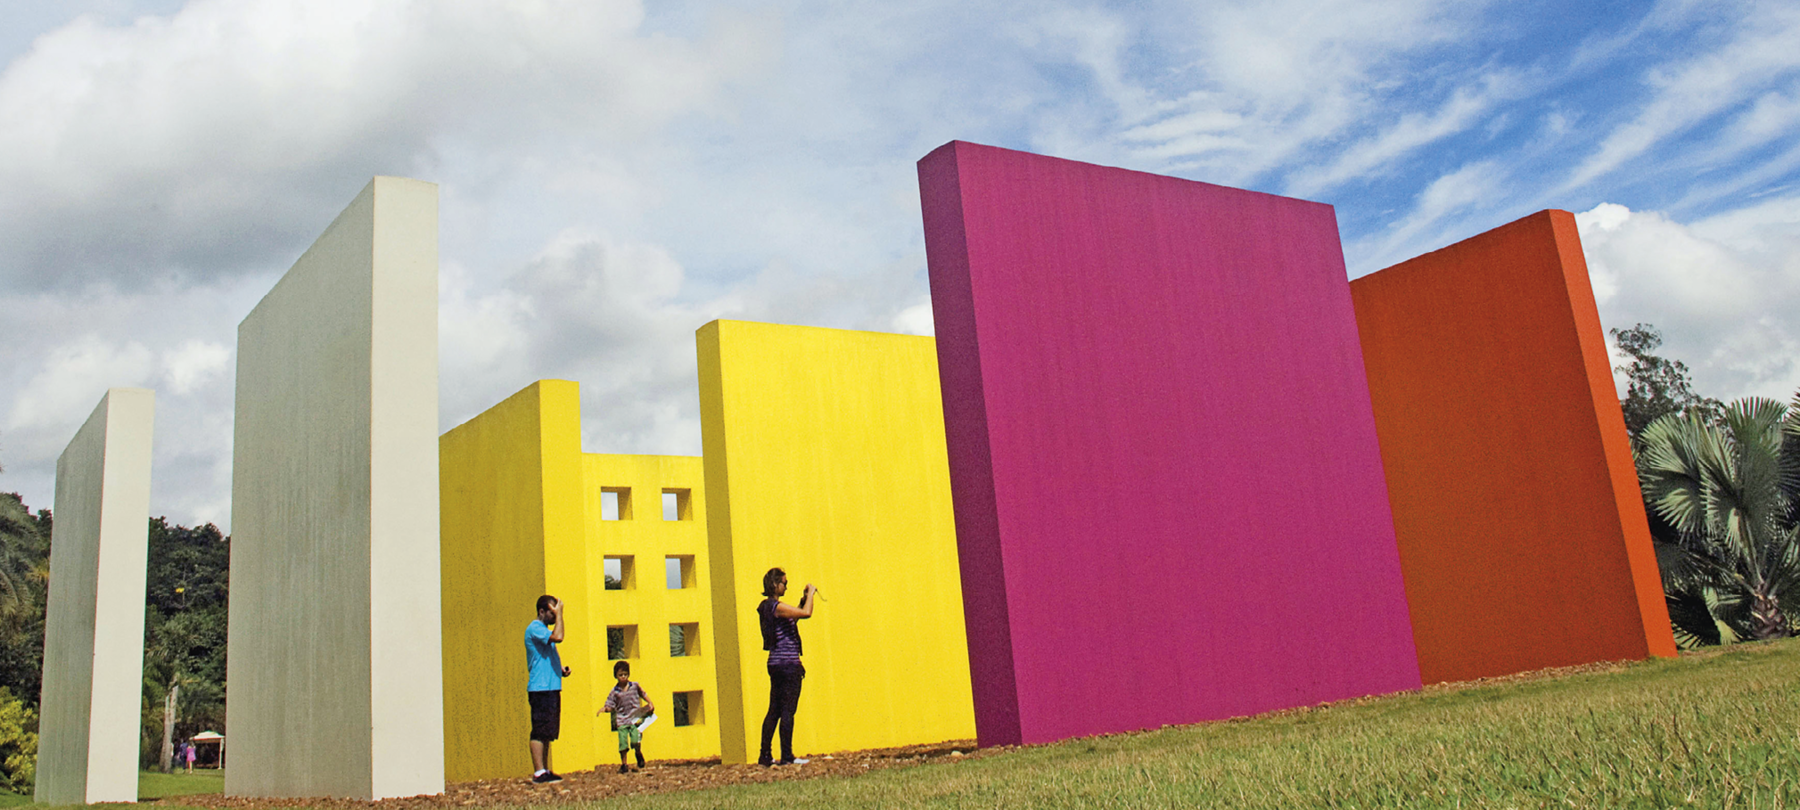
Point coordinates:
[(187, 753), (628, 704)]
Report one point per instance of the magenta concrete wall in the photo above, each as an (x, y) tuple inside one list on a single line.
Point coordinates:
[(1169, 498)]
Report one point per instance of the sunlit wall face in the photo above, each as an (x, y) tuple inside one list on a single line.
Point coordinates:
[(1167, 481), (825, 457), (1521, 529)]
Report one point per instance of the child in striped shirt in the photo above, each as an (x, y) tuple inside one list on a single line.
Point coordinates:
[(628, 705)]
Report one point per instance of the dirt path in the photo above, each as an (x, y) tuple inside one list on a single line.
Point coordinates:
[(605, 782)]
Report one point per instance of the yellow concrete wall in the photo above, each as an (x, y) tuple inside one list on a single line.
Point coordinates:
[(824, 454), (513, 522), (647, 603)]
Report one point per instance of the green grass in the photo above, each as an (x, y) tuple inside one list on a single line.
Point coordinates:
[(156, 784), (1719, 730), (1704, 731), (151, 785)]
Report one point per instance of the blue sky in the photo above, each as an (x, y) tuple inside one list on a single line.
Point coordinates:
[(613, 175)]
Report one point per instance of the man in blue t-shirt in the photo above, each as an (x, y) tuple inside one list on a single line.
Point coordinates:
[(544, 689)]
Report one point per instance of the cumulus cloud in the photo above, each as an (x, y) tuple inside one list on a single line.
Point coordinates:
[(1759, 51), (198, 144), (1724, 290)]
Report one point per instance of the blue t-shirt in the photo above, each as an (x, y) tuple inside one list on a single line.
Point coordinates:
[(541, 659)]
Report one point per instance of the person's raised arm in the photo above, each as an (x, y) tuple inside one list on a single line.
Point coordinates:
[(804, 611), (556, 635)]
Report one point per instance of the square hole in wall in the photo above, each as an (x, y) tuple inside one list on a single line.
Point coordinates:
[(618, 572), (688, 708), (615, 503), (621, 641), (676, 506), (684, 639), (678, 571)]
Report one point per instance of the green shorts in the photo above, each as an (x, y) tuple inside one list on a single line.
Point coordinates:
[(628, 737)]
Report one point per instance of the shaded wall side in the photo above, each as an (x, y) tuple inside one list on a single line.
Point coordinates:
[(299, 632), (1640, 554), (648, 605), (565, 576), (405, 603), (1174, 399), (492, 507), (1503, 498), (118, 652), (971, 465), (729, 664), (838, 475), (66, 702)]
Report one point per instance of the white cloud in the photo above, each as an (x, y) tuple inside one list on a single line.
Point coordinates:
[(1724, 291), (915, 320), (1686, 94), (193, 364), (195, 144), (73, 378)]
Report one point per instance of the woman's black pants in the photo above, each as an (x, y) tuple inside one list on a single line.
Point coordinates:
[(784, 698)]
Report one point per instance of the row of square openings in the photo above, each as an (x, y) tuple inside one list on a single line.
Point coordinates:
[(615, 504), (621, 572), (684, 641), (622, 640)]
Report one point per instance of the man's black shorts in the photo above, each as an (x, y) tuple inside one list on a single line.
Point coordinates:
[(546, 715)]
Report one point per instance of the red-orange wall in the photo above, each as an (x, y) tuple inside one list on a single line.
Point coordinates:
[(1522, 534)]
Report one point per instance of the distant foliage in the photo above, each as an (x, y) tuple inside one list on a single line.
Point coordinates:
[(184, 631), (24, 579), (1656, 385), (18, 743), (1724, 492)]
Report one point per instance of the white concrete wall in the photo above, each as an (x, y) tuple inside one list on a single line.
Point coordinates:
[(335, 669), (94, 623)]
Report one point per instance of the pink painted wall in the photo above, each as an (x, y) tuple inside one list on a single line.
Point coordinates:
[(1169, 498)]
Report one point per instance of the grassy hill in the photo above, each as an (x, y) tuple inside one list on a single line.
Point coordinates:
[(1711, 730)]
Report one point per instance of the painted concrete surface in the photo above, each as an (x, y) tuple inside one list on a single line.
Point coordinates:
[(646, 605), (336, 685), (522, 516), (824, 453), (513, 513), (94, 622), (1165, 463), (1521, 528)]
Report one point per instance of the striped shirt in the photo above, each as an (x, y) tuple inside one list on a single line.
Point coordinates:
[(623, 703), (787, 637)]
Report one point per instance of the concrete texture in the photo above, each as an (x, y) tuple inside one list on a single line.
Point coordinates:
[(335, 674), (1168, 486), (89, 717), (648, 604), (1521, 528), (824, 453), (512, 531), (522, 517)]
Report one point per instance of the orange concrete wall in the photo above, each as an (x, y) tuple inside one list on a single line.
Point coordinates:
[(1521, 529)]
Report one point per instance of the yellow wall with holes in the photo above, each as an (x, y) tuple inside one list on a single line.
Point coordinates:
[(824, 455), (646, 604), (520, 512)]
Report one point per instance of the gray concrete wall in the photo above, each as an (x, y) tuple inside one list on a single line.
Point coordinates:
[(94, 622), (335, 668)]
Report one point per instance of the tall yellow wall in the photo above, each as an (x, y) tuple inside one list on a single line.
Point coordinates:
[(513, 520), (824, 455), (647, 603)]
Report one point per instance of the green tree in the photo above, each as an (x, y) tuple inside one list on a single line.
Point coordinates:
[(18, 743), (1727, 489), (186, 598), (24, 578), (1657, 386)]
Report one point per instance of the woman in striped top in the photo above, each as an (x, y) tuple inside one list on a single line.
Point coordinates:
[(781, 637)]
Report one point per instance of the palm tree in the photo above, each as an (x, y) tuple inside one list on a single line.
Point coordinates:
[(1727, 490)]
